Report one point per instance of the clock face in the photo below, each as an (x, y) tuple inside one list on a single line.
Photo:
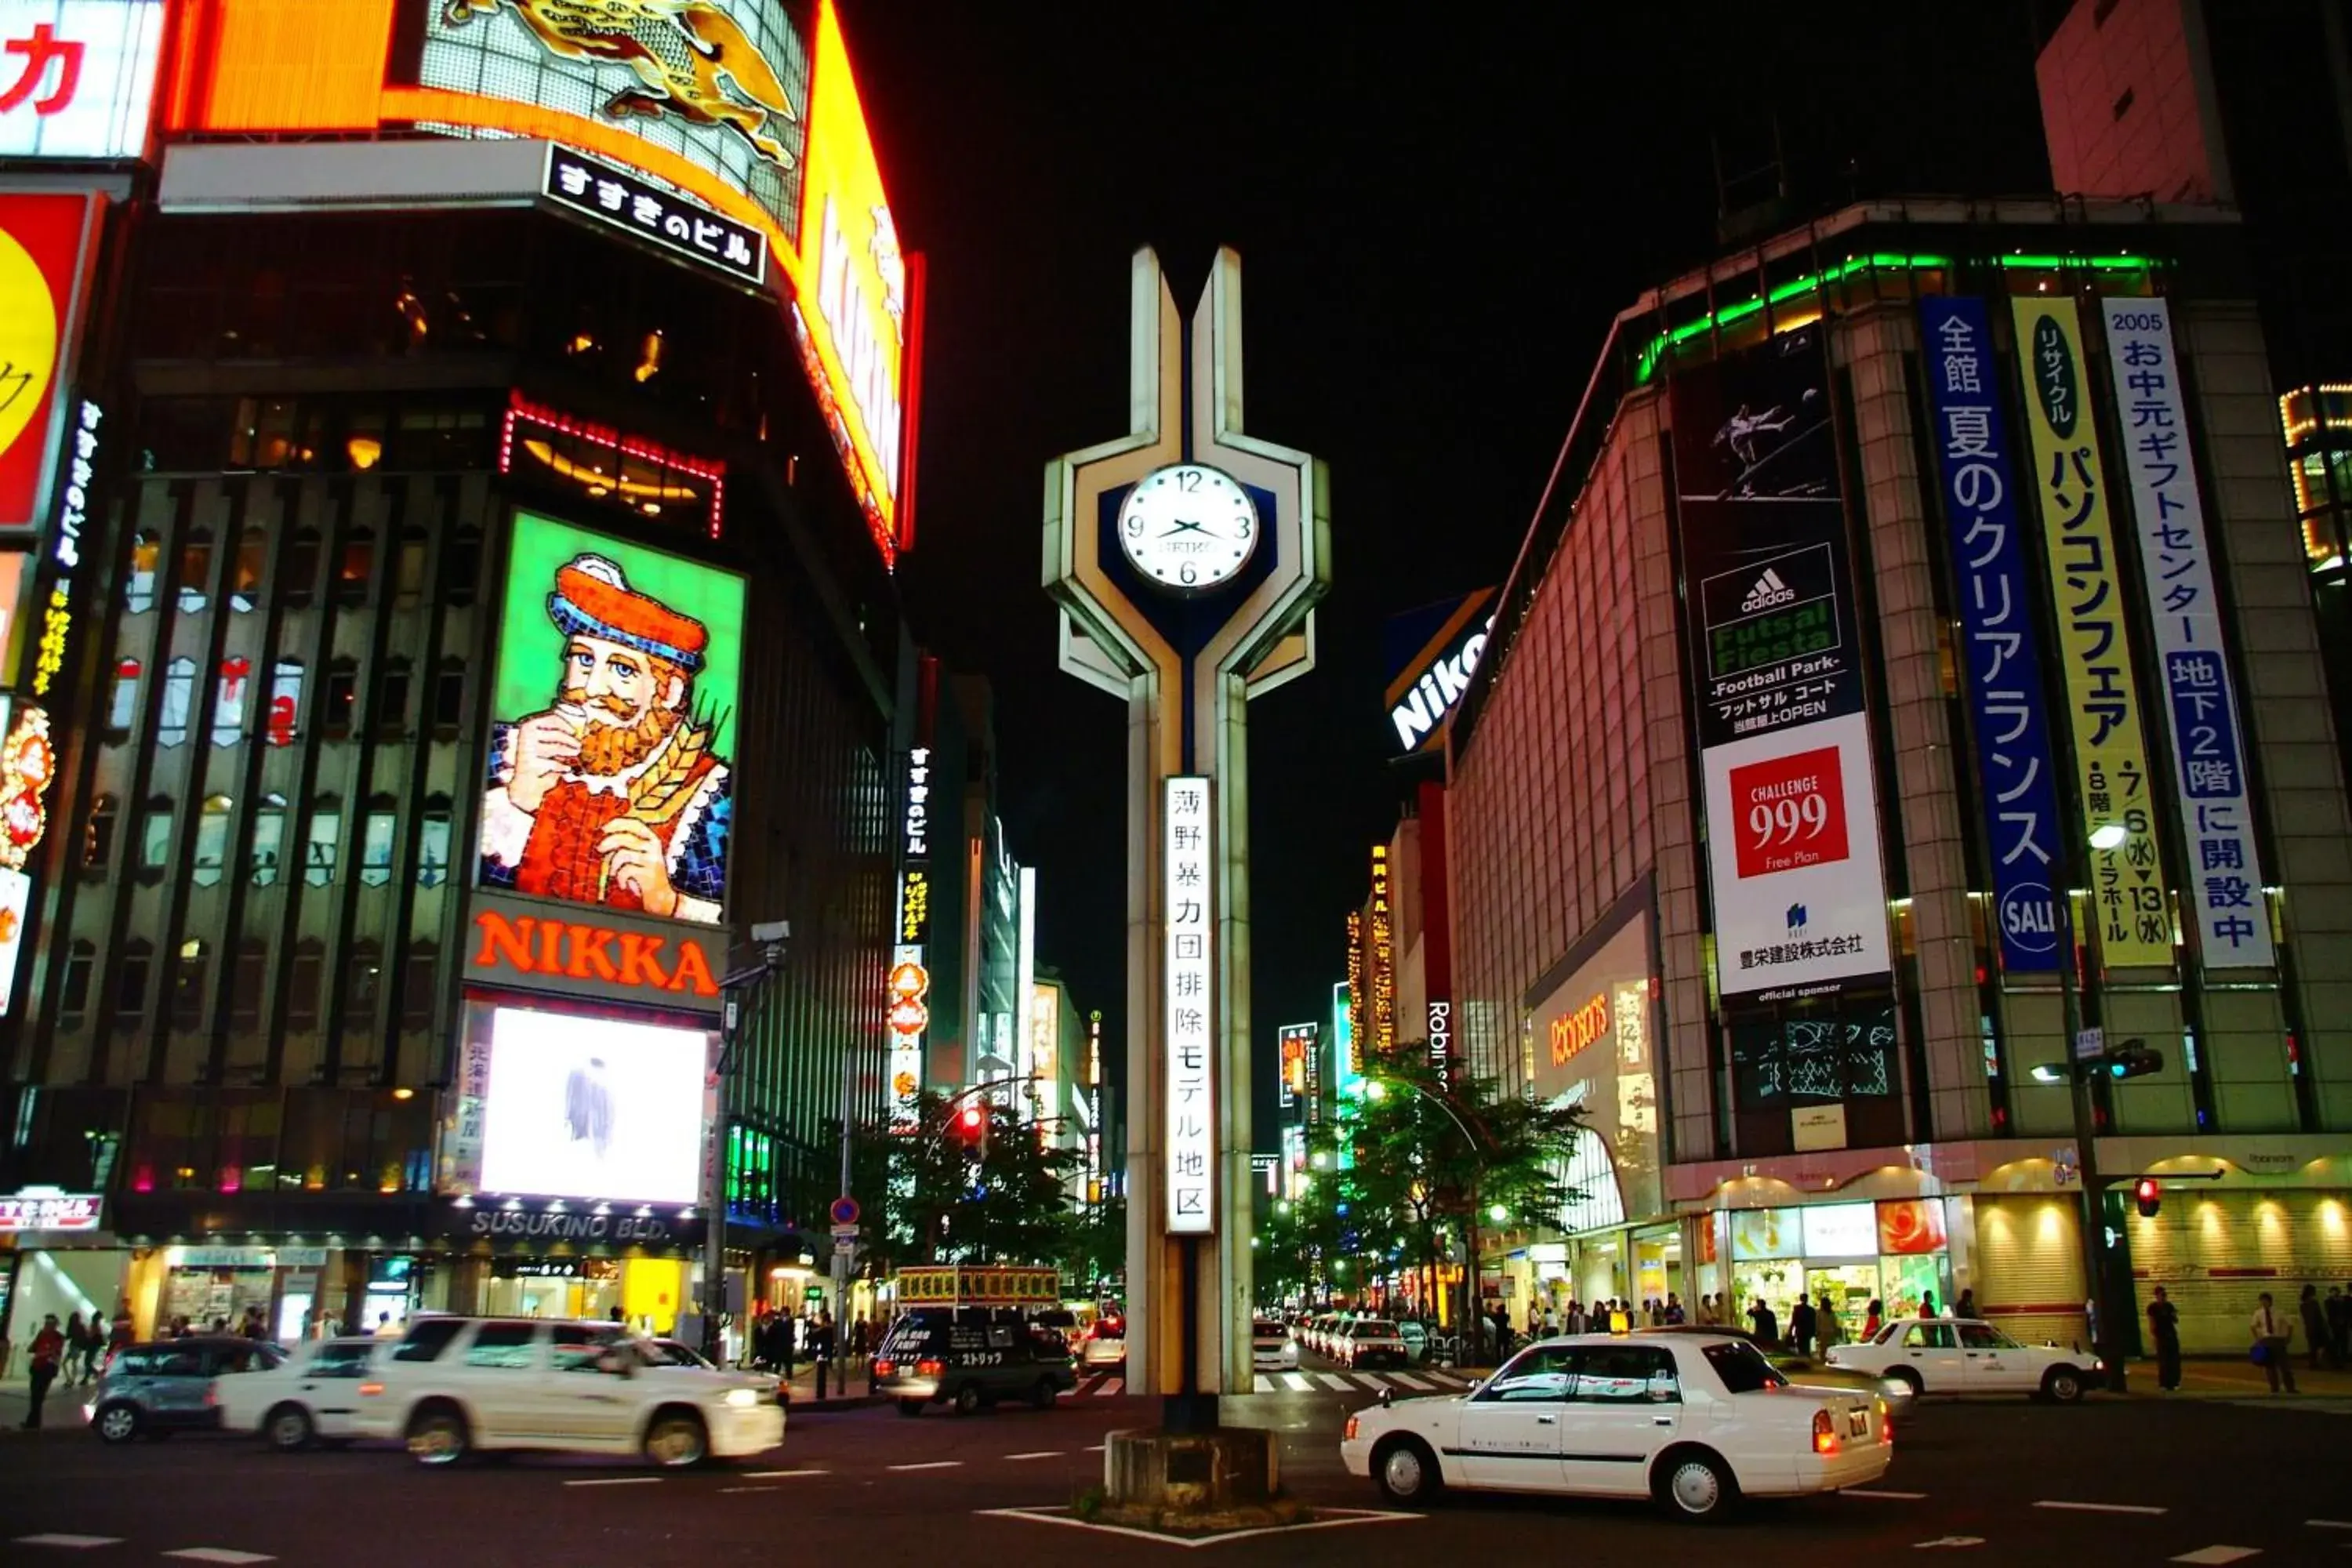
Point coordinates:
[(1188, 526)]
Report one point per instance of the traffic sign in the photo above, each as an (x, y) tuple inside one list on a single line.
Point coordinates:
[(845, 1233), (845, 1213), (2089, 1044)]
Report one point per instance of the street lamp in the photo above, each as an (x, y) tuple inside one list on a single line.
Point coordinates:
[(768, 937)]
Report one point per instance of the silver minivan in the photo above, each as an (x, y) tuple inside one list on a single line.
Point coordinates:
[(155, 1390)]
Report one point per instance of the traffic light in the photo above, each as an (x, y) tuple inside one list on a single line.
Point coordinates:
[(2148, 1196), (972, 1127), (2133, 1058)]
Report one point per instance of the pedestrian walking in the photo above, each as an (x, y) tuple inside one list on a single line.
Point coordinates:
[(2315, 1324), (1801, 1326), (2272, 1334), (1674, 1308), (1927, 1303), (1709, 1316), (1826, 1327), (1766, 1326), (2164, 1331), (47, 1355), (1966, 1308), (1873, 1320)]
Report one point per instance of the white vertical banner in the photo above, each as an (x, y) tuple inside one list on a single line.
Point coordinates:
[(1188, 914), (2208, 755)]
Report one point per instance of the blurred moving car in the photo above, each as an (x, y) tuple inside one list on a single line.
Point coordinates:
[(971, 1357), (1273, 1347), (1963, 1355), (155, 1390), (1694, 1423), (1898, 1395), (453, 1385), (1106, 1343), (664, 1354), (310, 1396)]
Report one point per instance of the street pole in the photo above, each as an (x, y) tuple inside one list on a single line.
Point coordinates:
[(771, 936), (2100, 1330)]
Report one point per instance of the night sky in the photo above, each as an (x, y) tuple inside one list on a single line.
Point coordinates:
[(1437, 224)]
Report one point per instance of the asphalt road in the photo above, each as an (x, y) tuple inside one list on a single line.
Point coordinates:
[(2113, 1481)]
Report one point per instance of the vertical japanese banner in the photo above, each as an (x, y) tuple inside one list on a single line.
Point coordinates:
[(2208, 754), (2016, 775), (1792, 796), (1187, 910), (2102, 700)]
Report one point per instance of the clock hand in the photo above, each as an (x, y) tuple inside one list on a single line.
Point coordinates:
[(1184, 528)]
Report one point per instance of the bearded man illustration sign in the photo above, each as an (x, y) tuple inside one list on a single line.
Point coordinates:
[(609, 781)]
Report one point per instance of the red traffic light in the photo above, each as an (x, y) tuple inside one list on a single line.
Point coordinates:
[(2147, 1195), (971, 1121)]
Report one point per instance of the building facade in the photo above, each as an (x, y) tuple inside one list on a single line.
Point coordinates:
[(481, 620), (1876, 705)]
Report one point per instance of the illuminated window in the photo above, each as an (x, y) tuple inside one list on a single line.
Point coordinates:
[(188, 985), (97, 842), (212, 841), (319, 850), (196, 571), (342, 698), (228, 702), (252, 559), (375, 848), (155, 836), (179, 697), (138, 585), (123, 699), (408, 570), (433, 844), (283, 722), (356, 569), (269, 841), (130, 979)]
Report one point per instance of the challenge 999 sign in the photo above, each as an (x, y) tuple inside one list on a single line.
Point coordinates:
[(1792, 801)]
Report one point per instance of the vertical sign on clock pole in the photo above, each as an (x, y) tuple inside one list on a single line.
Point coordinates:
[(1187, 912)]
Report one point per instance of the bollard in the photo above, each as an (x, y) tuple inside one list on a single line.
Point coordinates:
[(823, 1361)]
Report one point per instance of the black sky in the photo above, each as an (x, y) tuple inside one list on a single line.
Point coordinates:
[(1437, 220)]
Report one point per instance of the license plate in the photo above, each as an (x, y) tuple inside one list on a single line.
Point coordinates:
[(1857, 1423)]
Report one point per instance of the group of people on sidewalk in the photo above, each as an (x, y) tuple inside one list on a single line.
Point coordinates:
[(2326, 1326), (56, 1354)]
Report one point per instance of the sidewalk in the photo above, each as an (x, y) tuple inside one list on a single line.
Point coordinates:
[(2224, 1377), (855, 1396)]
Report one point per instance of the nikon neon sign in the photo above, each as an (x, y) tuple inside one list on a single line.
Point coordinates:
[(1434, 653)]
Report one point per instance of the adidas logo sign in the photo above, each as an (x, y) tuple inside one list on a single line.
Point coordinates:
[(1768, 591)]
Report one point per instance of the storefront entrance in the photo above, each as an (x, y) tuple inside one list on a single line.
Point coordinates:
[(528, 1288)]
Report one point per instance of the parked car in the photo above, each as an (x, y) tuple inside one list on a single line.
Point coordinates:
[(453, 1385), (1416, 1339), (155, 1390), (971, 1357), (1694, 1423), (1963, 1355), (310, 1396), (1273, 1347), (1375, 1341), (1898, 1393)]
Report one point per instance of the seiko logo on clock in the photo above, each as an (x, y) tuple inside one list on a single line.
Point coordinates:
[(1188, 526)]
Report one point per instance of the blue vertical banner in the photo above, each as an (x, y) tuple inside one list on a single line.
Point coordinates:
[(2176, 568), (2016, 776)]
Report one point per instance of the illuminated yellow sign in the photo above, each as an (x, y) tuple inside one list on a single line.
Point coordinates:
[(2102, 700)]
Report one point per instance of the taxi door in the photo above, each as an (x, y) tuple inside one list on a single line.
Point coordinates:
[(1626, 1405), (1932, 1351), (1996, 1364), (1510, 1432)]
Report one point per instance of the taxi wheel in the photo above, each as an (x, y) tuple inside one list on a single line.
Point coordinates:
[(910, 1408), (1694, 1485), (1904, 1375), (966, 1400), (1042, 1396), (1406, 1472), (2064, 1384), (289, 1428)]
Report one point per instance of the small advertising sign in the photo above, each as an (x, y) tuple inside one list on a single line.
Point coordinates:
[(632, 203)]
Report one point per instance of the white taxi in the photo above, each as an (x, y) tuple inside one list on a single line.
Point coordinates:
[(1695, 1423), (453, 1385), (311, 1396), (1963, 1356)]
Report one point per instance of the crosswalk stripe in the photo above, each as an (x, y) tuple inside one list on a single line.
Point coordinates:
[(1298, 1382), (1263, 1385), (1334, 1380), (1449, 1379), (1409, 1381), (220, 1554), (70, 1542), (1110, 1386)]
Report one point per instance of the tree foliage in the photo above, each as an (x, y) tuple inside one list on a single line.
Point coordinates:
[(931, 1197)]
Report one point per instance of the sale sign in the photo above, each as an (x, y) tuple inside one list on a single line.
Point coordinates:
[(1784, 738)]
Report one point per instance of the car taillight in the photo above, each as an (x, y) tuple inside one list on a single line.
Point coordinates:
[(1824, 1433), (885, 1368), (1349, 1436), (369, 1389), (929, 1368), (1886, 1430)]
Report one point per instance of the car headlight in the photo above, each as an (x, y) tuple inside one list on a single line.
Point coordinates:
[(742, 1396)]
